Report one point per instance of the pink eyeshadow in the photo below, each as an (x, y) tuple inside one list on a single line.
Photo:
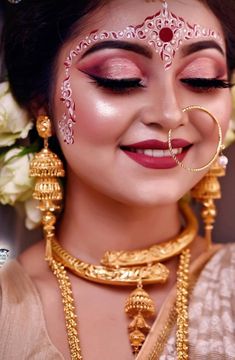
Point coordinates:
[(203, 67), (115, 68)]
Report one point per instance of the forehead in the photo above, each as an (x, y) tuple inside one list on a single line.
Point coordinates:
[(117, 14), (161, 26), (165, 30)]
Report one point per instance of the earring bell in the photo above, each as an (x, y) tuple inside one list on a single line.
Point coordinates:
[(46, 167), (208, 190), (139, 306)]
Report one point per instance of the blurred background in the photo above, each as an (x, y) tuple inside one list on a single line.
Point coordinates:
[(15, 237)]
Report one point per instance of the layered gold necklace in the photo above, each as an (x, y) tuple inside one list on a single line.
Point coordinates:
[(131, 268)]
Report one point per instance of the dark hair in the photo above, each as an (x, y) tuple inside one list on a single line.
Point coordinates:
[(225, 13), (35, 31)]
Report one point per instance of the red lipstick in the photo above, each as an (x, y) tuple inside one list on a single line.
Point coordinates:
[(154, 154)]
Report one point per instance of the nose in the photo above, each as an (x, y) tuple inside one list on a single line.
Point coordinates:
[(163, 110)]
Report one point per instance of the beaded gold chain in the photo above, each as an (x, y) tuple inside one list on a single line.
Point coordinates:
[(69, 309), (180, 311), (182, 306), (172, 317)]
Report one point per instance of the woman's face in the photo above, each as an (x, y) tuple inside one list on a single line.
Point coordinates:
[(127, 98)]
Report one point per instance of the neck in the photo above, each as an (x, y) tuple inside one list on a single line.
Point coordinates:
[(92, 224)]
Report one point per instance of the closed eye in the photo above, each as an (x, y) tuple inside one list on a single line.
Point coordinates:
[(117, 85), (205, 84)]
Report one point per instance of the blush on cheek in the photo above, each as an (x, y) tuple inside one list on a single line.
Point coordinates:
[(100, 122)]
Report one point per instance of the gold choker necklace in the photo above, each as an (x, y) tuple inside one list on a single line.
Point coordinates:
[(136, 268), (158, 252), (131, 267)]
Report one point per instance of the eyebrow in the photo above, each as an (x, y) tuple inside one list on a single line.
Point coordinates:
[(124, 45), (201, 45)]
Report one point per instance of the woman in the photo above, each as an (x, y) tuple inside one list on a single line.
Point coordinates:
[(139, 96)]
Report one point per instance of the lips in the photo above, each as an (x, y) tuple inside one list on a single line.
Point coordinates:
[(155, 154)]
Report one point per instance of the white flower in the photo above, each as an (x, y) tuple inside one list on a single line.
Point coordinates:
[(14, 121), (15, 183), (33, 214)]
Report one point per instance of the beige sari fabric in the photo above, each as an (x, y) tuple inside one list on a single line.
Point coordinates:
[(23, 333), (211, 311)]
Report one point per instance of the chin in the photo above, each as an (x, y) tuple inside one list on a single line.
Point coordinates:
[(158, 194), (148, 199)]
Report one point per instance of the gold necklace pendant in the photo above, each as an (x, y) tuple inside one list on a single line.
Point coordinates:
[(138, 305), (158, 252)]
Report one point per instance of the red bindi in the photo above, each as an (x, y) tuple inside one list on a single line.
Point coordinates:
[(166, 34)]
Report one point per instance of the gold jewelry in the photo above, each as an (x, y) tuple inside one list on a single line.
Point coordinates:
[(158, 252), (157, 273), (138, 305), (182, 306), (130, 267), (139, 324), (206, 191), (219, 145), (144, 269), (46, 167), (69, 309)]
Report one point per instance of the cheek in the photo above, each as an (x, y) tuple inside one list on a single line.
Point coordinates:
[(100, 117), (225, 112), (223, 109), (220, 107), (98, 121)]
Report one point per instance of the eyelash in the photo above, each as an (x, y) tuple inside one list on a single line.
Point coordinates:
[(204, 84), (126, 85), (117, 85)]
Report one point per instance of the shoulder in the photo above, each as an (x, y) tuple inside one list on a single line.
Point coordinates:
[(14, 283), (17, 303), (212, 307), (16, 278), (17, 292), (222, 265), (19, 279), (218, 275), (22, 324)]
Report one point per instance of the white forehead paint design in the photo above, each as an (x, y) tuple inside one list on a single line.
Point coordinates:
[(164, 31)]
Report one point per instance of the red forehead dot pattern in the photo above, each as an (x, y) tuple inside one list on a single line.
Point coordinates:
[(164, 32)]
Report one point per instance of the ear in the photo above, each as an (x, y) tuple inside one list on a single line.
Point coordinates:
[(40, 111)]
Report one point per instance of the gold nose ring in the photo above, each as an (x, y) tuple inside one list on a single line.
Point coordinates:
[(218, 148)]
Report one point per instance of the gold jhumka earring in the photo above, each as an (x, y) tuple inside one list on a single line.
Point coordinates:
[(46, 167), (208, 189), (205, 192)]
